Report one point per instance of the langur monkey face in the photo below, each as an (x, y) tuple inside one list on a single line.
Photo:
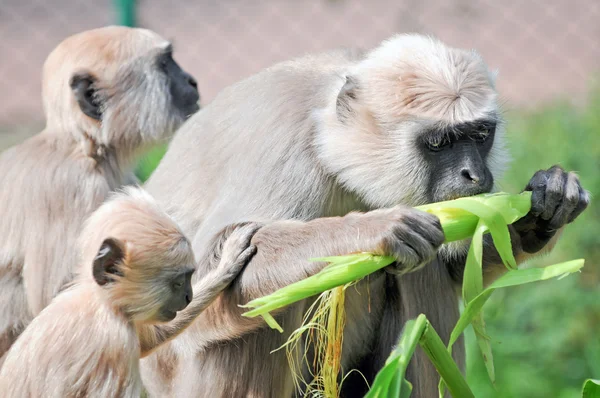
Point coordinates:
[(456, 158), (183, 87), (179, 295)]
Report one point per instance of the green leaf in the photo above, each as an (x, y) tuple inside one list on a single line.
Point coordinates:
[(389, 381), (473, 276), (406, 389), (495, 223), (472, 287), (483, 341), (512, 278), (591, 389), (435, 349)]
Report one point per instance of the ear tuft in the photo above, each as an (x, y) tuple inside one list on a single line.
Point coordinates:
[(345, 97), (106, 263), (82, 84)]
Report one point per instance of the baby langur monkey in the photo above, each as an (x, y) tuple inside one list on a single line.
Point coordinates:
[(135, 276)]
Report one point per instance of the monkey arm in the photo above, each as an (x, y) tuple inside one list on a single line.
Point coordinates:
[(285, 247), (205, 292), (283, 250)]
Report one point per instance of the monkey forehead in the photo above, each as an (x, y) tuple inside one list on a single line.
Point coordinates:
[(101, 51), (418, 76), (168, 256), (135, 218)]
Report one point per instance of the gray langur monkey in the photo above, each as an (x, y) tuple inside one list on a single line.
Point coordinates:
[(132, 294), (108, 94), (309, 142)]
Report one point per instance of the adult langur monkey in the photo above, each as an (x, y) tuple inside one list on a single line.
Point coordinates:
[(411, 122), (108, 93)]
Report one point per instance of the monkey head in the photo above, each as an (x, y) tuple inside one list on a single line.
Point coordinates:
[(139, 257), (414, 122), (117, 86)]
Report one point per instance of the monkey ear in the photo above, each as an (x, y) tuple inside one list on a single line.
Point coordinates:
[(349, 88), (106, 262), (82, 84), (345, 97)]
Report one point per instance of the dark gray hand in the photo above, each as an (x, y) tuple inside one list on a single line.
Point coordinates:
[(557, 199)]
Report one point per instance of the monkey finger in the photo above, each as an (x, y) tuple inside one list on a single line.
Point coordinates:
[(247, 255), (537, 186), (406, 256), (241, 237), (568, 203), (427, 225), (410, 248), (582, 204), (555, 187)]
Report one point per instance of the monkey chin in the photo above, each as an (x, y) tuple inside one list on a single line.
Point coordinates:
[(191, 111), (165, 316)]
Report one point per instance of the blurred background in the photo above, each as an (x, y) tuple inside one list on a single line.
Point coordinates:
[(546, 336)]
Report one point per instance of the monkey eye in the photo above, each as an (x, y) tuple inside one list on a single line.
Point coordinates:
[(178, 282), (437, 145), (164, 60), (481, 135)]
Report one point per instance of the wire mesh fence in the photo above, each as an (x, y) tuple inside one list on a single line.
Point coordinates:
[(542, 49)]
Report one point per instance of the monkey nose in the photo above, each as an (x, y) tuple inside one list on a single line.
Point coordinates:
[(470, 176)]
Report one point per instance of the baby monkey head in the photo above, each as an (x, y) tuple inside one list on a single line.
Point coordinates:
[(139, 257)]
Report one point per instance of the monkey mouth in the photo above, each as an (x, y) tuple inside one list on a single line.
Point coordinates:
[(459, 195), (192, 109), (195, 108)]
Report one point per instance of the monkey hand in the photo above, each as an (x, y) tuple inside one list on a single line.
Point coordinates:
[(411, 236), (557, 199), (237, 250)]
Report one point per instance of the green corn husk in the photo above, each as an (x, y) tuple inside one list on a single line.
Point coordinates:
[(591, 389), (461, 219), (458, 223)]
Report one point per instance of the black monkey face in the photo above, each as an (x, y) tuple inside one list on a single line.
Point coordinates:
[(182, 86), (456, 158), (180, 294)]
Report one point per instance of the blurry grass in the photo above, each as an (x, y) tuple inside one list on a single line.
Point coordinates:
[(544, 336)]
